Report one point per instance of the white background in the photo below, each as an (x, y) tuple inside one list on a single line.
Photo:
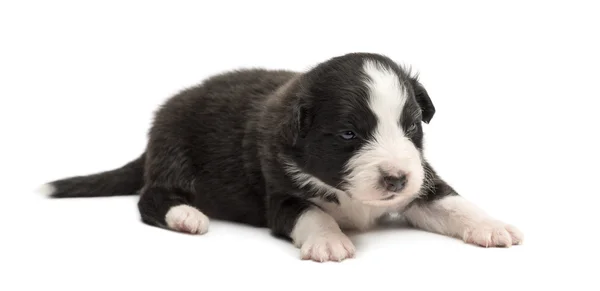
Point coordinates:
[(515, 85)]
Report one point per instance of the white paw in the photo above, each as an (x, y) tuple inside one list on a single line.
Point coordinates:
[(188, 219), (334, 246), (492, 233)]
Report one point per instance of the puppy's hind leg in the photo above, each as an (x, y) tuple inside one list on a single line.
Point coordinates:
[(168, 196), (171, 209)]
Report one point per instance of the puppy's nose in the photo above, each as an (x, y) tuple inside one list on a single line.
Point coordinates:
[(394, 183)]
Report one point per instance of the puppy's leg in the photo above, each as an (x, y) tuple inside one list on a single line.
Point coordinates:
[(315, 232), (171, 208), (442, 210), (167, 198)]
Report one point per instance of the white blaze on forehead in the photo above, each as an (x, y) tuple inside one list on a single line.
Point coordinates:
[(386, 95), (387, 98)]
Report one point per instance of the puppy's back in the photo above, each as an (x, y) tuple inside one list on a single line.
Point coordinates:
[(211, 124)]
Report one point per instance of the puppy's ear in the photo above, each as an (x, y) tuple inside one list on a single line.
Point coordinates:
[(297, 120), (427, 108)]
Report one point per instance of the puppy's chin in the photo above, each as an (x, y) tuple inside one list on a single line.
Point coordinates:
[(389, 200), (378, 198)]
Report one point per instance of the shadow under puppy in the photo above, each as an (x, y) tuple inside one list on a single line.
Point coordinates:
[(306, 154)]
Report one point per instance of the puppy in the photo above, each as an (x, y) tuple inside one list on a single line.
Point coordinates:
[(306, 154)]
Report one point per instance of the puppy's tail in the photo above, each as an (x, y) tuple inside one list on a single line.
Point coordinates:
[(126, 180)]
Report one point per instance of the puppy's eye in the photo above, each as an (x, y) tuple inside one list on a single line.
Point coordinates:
[(348, 135), (412, 127)]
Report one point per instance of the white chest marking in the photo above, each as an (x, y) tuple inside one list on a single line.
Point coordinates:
[(354, 215)]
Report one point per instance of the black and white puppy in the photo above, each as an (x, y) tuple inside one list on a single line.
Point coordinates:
[(307, 155)]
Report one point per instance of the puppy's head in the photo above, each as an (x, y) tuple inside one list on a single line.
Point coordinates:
[(357, 129)]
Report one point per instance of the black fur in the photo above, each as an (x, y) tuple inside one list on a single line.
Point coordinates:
[(126, 180), (220, 145)]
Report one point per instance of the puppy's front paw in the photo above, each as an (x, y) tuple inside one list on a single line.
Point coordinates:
[(333, 246), (492, 233)]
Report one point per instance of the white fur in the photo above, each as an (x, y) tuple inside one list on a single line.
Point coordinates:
[(457, 217), (349, 213), (320, 238), (188, 219), (46, 190), (390, 150), (356, 215)]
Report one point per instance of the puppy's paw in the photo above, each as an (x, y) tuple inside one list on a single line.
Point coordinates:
[(188, 219), (493, 233), (331, 246)]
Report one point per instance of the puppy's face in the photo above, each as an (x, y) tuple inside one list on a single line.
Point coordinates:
[(364, 129)]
